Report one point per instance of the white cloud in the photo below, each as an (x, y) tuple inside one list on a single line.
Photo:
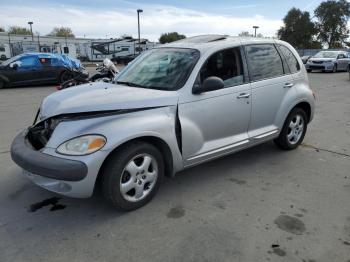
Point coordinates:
[(155, 19)]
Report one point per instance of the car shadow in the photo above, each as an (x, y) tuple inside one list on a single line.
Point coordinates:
[(195, 176), (34, 204)]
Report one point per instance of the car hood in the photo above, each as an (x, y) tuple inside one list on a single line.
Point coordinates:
[(315, 59), (102, 96)]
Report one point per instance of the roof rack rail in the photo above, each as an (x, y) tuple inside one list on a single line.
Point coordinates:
[(203, 39)]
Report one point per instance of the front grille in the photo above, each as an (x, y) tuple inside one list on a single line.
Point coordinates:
[(318, 62)]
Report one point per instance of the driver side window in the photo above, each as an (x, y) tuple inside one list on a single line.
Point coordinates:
[(225, 64)]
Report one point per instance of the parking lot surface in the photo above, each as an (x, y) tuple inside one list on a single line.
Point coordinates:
[(262, 204)]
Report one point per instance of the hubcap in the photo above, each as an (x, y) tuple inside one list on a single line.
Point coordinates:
[(295, 129), (139, 177)]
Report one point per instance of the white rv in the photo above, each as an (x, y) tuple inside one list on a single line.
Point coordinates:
[(5, 52)]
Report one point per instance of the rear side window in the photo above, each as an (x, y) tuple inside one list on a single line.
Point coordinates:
[(225, 64), (45, 61), (291, 60), (263, 61)]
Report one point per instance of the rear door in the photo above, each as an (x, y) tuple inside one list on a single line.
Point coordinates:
[(270, 83), (47, 72)]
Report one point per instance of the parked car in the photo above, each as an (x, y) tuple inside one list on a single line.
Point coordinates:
[(38, 68), (174, 107), (331, 61)]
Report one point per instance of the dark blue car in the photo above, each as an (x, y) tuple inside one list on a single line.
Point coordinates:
[(38, 68)]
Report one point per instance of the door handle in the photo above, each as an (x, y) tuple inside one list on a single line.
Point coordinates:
[(288, 85), (243, 95)]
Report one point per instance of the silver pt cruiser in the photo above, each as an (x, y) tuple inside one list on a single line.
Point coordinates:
[(173, 107)]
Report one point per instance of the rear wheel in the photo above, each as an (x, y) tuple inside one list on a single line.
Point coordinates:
[(293, 130), (2, 83), (132, 176)]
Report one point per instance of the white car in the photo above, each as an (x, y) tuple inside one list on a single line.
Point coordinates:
[(173, 107), (329, 61)]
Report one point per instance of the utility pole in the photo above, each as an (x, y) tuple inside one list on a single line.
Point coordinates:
[(138, 25), (255, 28), (31, 29)]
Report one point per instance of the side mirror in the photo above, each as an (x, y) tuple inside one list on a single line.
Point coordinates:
[(14, 66), (209, 84)]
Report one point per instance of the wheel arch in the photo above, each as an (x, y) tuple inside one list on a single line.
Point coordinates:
[(304, 106), (159, 143)]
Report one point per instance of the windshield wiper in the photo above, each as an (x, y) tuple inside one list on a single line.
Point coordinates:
[(130, 84)]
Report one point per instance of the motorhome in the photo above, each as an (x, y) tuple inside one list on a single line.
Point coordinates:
[(5, 51)]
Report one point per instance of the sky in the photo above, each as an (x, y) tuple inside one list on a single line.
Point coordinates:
[(114, 18)]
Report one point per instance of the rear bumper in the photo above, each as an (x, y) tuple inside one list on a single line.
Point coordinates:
[(45, 165)]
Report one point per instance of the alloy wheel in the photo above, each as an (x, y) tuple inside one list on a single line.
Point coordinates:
[(295, 129), (139, 177)]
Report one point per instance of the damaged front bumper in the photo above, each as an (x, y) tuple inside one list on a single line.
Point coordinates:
[(68, 176), (45, 165)]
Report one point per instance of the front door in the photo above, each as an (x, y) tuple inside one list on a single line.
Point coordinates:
[(216, 122), (343, 62), (26, 71)]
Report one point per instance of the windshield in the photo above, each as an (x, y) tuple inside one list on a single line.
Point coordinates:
[(163, 69), (325, 54)]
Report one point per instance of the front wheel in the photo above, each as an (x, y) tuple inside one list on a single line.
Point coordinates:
[(293, 131), (335, 69), (132, 176), (2, 84), (309, 70), (64, 77)]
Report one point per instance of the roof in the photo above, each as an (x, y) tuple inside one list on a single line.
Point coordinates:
[(207, 42)]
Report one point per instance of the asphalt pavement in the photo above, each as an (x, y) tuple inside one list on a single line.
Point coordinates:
[(262, 204)]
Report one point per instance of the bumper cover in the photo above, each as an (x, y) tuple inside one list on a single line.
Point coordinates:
[(45, 165)]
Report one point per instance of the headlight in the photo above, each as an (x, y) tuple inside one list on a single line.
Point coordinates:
[(82, 145)]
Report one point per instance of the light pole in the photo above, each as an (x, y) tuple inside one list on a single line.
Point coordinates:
[(255, 28), (31, 29), (138, 25)]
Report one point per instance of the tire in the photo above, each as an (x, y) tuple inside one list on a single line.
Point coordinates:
[(146, 179), (2, 84), (309, 70), (335, 69), (293, 131), (64, 77)]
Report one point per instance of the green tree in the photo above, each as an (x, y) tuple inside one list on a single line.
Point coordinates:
[(245, 34), (170, 37), (2, 29), (333, 17), (62, 32), (298, 29), (17, 30)]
